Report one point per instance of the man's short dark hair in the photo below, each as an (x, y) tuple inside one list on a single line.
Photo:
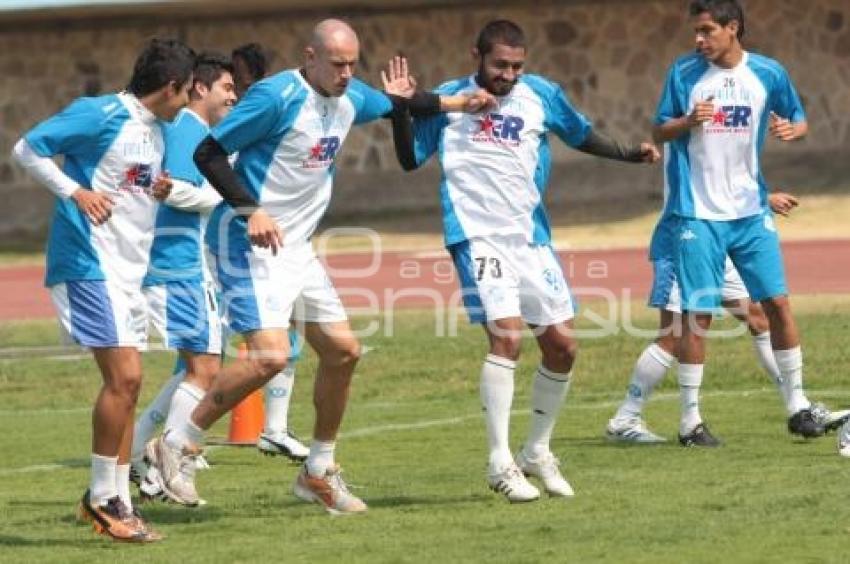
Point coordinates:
[(255, 59), (721, 11), (161, 62), (501, 32), (209, 66)]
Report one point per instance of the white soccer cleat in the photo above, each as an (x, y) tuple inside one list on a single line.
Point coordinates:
[(201, 463), (829, 420), (511, 482), (330, 491), (844, 440), (284, 443), (631, 430), (547, 471), (177, 472)]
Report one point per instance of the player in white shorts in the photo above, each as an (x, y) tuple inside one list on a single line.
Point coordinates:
[(627, 424), (495, 170), (287, 130), (98, 251)]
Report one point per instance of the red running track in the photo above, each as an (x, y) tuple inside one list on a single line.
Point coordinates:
[(422, 280)]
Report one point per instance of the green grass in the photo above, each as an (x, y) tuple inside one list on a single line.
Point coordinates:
[(413, 445)]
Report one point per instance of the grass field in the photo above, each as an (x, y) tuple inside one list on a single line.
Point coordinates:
[(413, 446)]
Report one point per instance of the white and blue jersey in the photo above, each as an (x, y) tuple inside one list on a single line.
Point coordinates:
[(495, 166), (287, 136), (177, 251), (112, 145), (713, 172)]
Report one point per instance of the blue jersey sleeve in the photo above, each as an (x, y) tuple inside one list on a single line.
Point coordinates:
[(669, 105), (71, 131), (369, 104), (426, 136), (570, 125), (181, 140), (785, 101), (253, 118)]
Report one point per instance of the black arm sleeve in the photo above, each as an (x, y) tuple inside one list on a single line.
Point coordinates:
[(211, 159), (403, 138), (421, 104), (601, 146)]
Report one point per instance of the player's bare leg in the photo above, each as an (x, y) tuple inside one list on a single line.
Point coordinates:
[(320, 479), (549, 390)]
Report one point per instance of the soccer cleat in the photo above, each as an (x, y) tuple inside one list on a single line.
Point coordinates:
[(176, 469), (511, 482), (285, 443), (546, 469), (631, 430), (700, 436), (829, 420), (330, 491), (201, 463), (844, 440), (115, 521), (151, 487), (803, 423)]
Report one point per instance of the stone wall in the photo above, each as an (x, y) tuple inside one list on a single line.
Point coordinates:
[(611, 57)]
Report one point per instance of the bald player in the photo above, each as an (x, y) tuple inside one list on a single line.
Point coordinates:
[(287, 131)]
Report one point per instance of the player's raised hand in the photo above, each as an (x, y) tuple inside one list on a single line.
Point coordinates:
[(781, 128), (97, 207), (264, 232), (782, 203), (397, 78), (703, 112), (479, 101), (649, 152), (162, 187)]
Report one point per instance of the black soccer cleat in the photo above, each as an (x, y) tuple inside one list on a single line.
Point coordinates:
[(803, 423), (699, 437)]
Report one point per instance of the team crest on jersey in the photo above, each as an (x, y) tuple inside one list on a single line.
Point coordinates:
[(730, 119), (499, 129), (137, 179), (322, 153)]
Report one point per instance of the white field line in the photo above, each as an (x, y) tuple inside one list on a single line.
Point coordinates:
[(381, 429)]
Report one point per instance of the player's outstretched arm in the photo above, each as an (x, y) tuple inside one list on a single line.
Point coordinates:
[(599, 145)]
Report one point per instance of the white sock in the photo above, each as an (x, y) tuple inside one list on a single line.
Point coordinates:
[(155, 414), (548, 393), (497, 393), (790, 363), (278, 393), (103, 481), (186, 399), (185, 434), (650, 369), (321, 457), (690, 380), (122, 484)]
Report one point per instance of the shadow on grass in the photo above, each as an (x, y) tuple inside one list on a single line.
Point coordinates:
[(18, 541)]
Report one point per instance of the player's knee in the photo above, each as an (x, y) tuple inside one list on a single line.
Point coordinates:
[(561, 357), (129, 386), (506, 346), (347, 354), (269, 364)]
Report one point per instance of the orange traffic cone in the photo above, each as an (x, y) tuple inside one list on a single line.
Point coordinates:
[(248, 417)]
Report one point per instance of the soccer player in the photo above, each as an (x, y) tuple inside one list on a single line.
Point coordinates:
[(250, 64), (287, 131), (628, 425), (716, 109), (98, 251), (495, 170), (179, 288)]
